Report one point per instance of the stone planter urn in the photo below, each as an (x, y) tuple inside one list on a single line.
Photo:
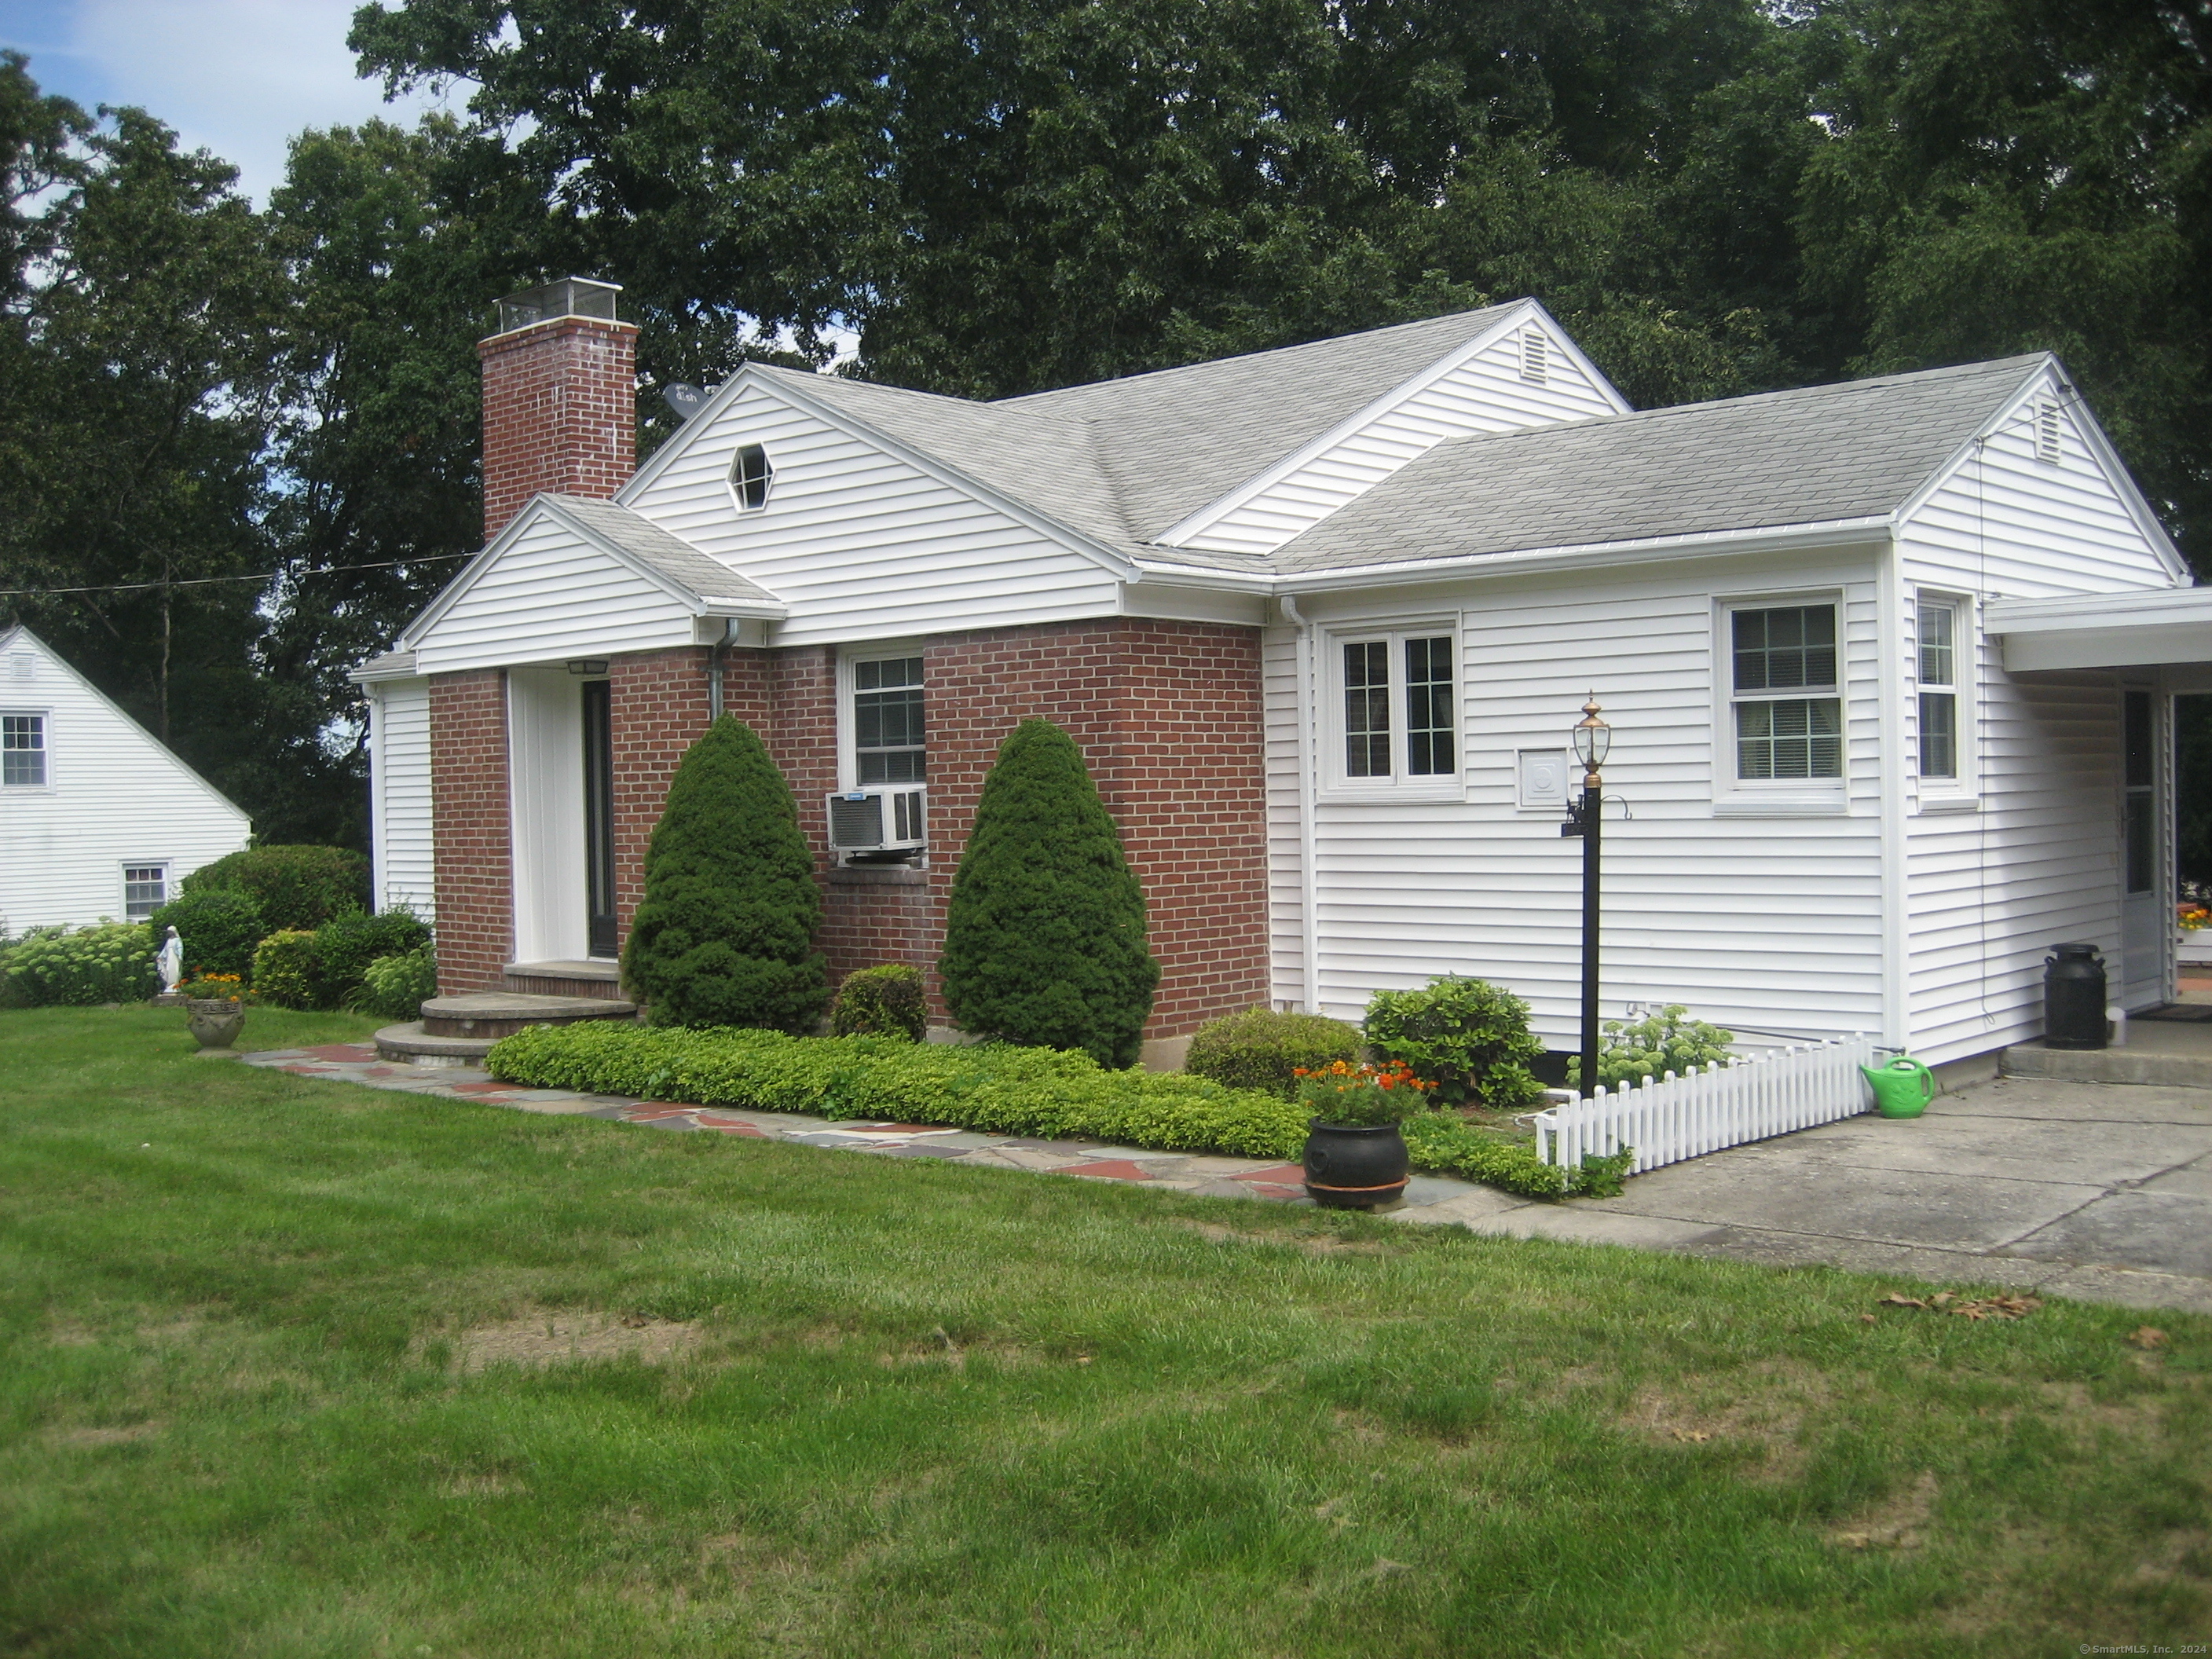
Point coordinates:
[(215, 1022)]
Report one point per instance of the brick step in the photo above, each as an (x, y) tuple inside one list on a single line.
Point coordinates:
[(564, 979), (491, 1015)]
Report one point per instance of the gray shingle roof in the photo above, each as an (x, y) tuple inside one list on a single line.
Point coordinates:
[(1858, 450), (1172, 441), (672, 556)]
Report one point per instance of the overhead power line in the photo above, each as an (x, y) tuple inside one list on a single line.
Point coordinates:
[(202, 582)]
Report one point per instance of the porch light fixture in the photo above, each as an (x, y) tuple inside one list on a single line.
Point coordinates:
[(1593, 741), (585, 668)]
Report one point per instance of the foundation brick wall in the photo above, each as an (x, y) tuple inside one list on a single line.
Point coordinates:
[(472, 860), (560, 413)]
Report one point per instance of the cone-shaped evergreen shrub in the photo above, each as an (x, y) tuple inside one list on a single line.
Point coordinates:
[(726, 934), (1044, 940)]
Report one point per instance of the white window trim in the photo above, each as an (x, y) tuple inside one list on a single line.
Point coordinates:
[(1737, 797), (1335, 782), (730, 478), (123, 869), (1961, 793), (45, 719), (849, 757)]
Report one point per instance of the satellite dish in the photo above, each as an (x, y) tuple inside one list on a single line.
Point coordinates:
[(686, 400)]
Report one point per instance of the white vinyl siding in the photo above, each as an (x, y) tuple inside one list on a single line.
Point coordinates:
[(1488, 392), (1771, 923), (551, 595), (399, 797), (859, 542), (2028, 854), (113, 797)]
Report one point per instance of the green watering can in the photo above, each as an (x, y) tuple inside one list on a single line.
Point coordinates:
[(1901, 1089)]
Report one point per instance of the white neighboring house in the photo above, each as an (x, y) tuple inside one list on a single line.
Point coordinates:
[(98, 819)]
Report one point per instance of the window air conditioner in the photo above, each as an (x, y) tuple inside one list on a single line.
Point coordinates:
[(877, 825)]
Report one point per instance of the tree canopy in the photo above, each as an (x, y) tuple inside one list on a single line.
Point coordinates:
[(993, 196)]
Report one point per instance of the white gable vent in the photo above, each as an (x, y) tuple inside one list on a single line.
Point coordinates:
[(1535, 356), (2048, 432), (26, 666), (749, 477)]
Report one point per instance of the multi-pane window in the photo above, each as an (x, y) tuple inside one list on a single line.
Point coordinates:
[(1400, 718), (23, 750), (1788, 718), (145, 890), (1938, 693), (750, 475), (887, 729)]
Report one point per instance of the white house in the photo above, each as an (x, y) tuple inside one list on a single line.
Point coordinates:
[(97, 818), (1888, 663)]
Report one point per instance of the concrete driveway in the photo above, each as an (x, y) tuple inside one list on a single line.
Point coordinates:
[(2098, 1191)]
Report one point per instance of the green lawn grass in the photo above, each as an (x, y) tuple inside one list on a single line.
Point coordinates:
[(289, 1371)]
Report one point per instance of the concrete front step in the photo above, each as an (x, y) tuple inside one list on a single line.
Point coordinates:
[(2162, 1054), (564, 979), (495, 1014), (410, 1045)]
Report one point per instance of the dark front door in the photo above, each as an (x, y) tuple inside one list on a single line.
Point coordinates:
[(599, 815)]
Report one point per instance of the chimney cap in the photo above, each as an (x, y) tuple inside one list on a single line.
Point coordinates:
[(572, 297)]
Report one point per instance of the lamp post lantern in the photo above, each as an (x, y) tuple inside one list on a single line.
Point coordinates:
[(1593, 740)]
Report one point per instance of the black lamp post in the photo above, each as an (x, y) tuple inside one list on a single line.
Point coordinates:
[(1593, 741)]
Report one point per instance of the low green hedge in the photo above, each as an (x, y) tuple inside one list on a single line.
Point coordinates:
[(995, 1088)]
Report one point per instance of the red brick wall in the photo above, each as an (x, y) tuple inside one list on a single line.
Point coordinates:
[(1167, 714), (658, 704), (471, 841), (560, 413)]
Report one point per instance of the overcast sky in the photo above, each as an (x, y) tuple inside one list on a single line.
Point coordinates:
[(238, 77)]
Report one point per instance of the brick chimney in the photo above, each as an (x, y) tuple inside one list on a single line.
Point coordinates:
[(560, 391)]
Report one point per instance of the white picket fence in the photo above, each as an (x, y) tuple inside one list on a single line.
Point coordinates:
[(1669, 1119)]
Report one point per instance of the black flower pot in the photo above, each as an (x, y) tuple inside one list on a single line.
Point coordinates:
[(1355, 1166)]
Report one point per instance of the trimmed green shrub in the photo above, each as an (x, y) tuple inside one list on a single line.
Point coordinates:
[(284, 970), (1666, 1041), (112, 962), (996, 1088), (1260, 1048), (396, 988), (1044, 935), (296, 887), (220, 927), (346, 944), (885, 1001), (1466, 1035), (726, 934)]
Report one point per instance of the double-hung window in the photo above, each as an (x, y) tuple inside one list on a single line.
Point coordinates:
[(1399, 710), (145, 890), (1786, 704), (1939, 690), (887, 721), (23, 751)]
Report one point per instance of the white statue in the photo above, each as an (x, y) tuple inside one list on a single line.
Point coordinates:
[(171, 962)]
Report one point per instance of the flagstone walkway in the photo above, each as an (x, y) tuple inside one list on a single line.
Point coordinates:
[(1091, 1160)]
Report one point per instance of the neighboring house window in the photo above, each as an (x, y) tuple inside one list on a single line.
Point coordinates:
[(145, 890), (750, 476), (1400, 714), (1784, 701), (23, 750), (887, 720), (1939, 690)]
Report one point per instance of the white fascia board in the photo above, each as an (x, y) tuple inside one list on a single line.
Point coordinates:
[(22, 633), (2142, 607), (364, 675), (2163, 626), (1518, 316), (1781, 539), (1106, 558), (2050, 373)]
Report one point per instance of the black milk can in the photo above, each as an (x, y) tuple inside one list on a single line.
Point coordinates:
[(2073, 997)]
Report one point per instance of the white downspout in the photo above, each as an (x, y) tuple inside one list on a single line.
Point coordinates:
[(1308, 882), (1896, 911)]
